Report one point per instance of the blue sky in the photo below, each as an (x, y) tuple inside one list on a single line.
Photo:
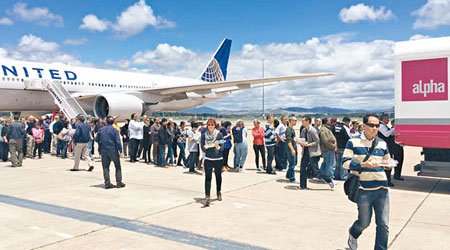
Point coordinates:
[(193, 29)]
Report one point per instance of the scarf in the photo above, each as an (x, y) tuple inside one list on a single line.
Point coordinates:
[(211, 138)]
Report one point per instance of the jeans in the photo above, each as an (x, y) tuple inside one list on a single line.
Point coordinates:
[(162, 158), (282, 154), (192, 161), (378, 201), (47, 141), (292, 160), (59, 145), (155, 151), (106, 161), (170, 152), (64, 145), (182, 157), (240, 154), (270, 154), (209, 166), (328, 164), (313, 162), (225, 154), (259, 149), (38, 148), (146, 152), (340, 173), (134, 144), (4, 148)]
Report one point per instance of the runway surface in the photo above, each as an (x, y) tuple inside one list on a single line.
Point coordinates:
[(45, 206)]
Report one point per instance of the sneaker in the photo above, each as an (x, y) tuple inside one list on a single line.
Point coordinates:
[(120, 185), (258, 169), (273, 172), (332, 184), (91, 168), (352, 242), (74, 169)]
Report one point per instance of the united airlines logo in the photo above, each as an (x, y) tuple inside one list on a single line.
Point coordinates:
[(425, 80), (213, 73), (54, 74)]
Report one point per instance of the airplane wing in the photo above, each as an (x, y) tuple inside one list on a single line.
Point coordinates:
[(208, 87), (240, 84)]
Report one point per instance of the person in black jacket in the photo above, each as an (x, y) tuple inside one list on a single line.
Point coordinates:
[(342, 134), (125, 137), (164, 138), (212, 145), (147, 140)]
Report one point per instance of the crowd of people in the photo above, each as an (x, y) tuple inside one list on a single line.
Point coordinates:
[(163, 143)]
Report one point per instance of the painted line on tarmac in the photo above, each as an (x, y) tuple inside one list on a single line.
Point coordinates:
[(166, 233)]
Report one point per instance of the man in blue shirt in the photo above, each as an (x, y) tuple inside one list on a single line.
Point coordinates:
[(15, 133), (81, 139), (110, 149)]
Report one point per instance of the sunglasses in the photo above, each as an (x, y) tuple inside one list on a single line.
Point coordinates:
[(211, 124), (372, 125)]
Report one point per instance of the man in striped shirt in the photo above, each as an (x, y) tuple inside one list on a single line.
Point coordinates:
[(373, 182)]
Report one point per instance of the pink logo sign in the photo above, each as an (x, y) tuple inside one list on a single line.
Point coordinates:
[(425, 80)]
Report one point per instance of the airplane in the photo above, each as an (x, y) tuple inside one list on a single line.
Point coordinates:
[(118, 93)]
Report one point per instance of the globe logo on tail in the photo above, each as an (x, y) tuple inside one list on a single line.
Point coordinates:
[(213, 73)]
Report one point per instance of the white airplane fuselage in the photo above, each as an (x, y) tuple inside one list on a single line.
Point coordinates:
[(16, 95)]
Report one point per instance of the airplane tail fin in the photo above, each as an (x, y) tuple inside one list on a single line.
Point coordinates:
[(216, 70)]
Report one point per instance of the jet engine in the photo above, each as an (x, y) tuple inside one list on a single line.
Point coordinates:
[(116, 104)]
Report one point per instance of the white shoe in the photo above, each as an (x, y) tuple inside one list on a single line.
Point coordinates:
[(332, 184), (352, 242)]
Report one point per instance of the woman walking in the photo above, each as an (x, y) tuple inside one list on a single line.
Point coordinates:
[(258, 144), (212, 145)]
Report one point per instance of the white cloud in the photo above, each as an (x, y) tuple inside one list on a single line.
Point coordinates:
[(361, 12), (6, 21), (39, 15), (130, 22), (91, 22), (121, 64), (418, 37), (36, 49), (80, 41), (31, 43), (433, 14), (137, 17)]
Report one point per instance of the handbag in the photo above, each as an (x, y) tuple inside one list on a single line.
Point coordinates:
[(351, 185), (62, 137)]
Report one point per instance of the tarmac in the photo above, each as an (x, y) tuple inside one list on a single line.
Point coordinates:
[(43, 205)]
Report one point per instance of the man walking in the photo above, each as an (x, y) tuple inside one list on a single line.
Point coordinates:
[(280, 132), (81, 139), (373, 183), (387, 134), (192, 144), (108, 140), (269, 139), (30, 139), (15, 133), (342, 133), (328, 147), (291, 149), (311, 153)]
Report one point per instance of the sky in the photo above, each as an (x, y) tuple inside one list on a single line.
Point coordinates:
[(353, 39)]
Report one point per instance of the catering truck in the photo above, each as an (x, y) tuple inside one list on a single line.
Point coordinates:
[(422, 105)]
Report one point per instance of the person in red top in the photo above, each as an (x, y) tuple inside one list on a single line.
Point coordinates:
[(258, 144)]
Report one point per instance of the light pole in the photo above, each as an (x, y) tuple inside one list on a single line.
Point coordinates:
[(263, 88)]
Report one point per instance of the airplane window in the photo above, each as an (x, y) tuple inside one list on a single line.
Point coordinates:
[(8, 79), (3, 78), (22, 80)]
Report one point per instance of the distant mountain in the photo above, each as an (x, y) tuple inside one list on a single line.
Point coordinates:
[(323, 110), (201, 110)]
